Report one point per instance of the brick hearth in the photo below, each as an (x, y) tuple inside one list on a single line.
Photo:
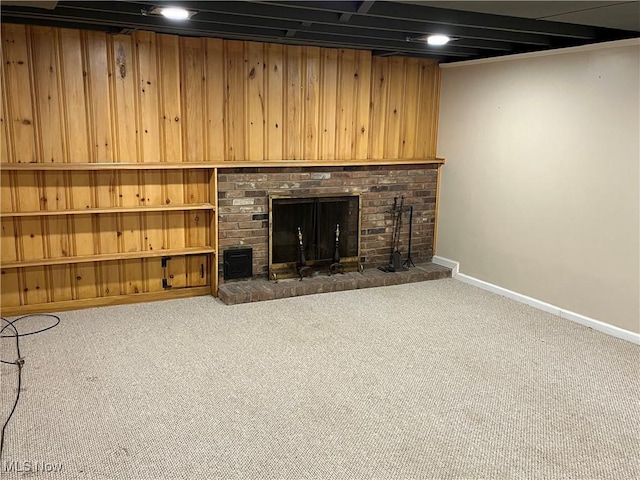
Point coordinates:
[(261, 289)]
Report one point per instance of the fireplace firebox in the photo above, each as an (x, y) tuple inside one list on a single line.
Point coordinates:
[(317, 218)]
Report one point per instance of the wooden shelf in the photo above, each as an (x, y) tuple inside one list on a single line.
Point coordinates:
[(11, 311), (330, 163), (109, 256), (86, 211), (105, 166), (218, 164)]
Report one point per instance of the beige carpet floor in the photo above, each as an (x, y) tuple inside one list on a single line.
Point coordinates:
[(430, 380)]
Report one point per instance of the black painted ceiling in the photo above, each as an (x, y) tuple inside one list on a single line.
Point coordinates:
[(384, 27)]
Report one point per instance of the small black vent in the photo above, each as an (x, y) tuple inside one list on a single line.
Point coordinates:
[(238, 263)]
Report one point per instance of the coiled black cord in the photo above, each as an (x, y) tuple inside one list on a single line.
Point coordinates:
[(19, 361)]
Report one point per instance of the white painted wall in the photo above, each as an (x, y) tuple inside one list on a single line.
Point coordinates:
[(540, 191)]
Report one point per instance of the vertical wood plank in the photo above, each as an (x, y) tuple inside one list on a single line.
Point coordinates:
[(395, 106), (152, 184), (294, 104), (6, 155), (170, 98), (329, 104), (427, 123), (47, 93), (83, 243), (80, 190), (6, 197), (174, 188), (133, 276), (98, 99), (311, 102), (193, 82), (131, 232), (254, 100), (154, 231), (31, 238), (274, 97), (153, 274), (378, 109), (27, 190), (213, 231), (54, 191), (435, 98), (235, 93), (175, 230), (9, 287), (60, 282), (85, 281), (130, 192), (215, 90), (110, 275), (125, 100), (148, 93), (34, 286), (75, 107), (8, 244), (410, 112), (58, 238), (106, 189), (345, 122), (108, 233), (18, 82), (362, 99)]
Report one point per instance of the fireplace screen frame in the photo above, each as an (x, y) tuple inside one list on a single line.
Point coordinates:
[(288, 269)]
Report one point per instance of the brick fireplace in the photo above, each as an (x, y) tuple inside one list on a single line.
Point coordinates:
[(243, 206)]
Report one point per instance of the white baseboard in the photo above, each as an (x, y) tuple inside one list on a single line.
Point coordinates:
[(445, 262), (539, 304)]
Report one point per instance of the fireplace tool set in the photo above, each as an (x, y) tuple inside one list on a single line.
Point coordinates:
[(395, 260), (335, 267)]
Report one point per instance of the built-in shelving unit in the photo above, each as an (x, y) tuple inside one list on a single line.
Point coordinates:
[(183, 211)]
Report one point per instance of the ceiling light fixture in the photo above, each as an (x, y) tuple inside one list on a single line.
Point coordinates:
[(437, 39), (172, 13), (175, 13)]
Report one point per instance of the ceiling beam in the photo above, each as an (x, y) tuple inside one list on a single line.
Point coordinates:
[(443, 16), (362, 9), (226, 24), (284, 12), (107, 23), (172, 30)]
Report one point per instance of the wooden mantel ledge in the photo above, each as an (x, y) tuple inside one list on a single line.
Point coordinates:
[(218, 164)]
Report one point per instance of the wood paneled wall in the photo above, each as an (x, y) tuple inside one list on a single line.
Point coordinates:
[(71, 96), (80, 96)]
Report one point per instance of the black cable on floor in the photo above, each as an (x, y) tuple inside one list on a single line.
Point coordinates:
[(19, 362)]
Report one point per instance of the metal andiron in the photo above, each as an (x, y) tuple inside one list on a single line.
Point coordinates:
[(336, 266), (303, 269)]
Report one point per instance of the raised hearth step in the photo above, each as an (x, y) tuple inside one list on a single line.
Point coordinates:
[(258, 290)]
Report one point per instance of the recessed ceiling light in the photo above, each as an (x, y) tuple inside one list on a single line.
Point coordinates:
[(175, 13), (437, 39), (172, 13)]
